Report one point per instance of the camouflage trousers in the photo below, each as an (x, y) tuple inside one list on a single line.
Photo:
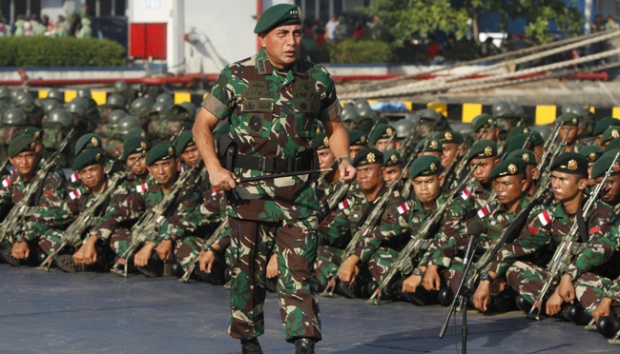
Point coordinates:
[(51, 240), (380, 263), (527, 279), (187, 249), (328, 260), (296, 249), (452, 276), (120, 242), (590, 288)]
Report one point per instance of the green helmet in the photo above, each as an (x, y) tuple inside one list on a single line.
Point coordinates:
[(503, 109), (349, 113), (140, 107), (84, 93), (404, 128), (361, 104), (161, 108), (77, 106), (517, 110), (50, 105), (116, 101), (59, 116), (184, 111), (13, 94), (5, 94), (367, 112), (56, 94), (576, 109), (25, 101), (115, 117), (428, 114), (120, 86), (166, 98), (14, 117), (126, 124)]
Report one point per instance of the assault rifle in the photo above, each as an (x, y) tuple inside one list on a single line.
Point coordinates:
[(419, 241), (214, 237), (88, 218), (22, 210), (148, 225), (563, 255)]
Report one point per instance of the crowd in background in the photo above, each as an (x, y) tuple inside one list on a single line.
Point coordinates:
[(78, 25)]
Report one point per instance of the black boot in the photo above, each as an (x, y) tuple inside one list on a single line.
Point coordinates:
[(250, 346), (578, 314), (5, 256), (608, 326), (445, 296), (271, 284), (372, 287), (347, 289), (523, 304), (304, 346), (66, 263), (176, 269)]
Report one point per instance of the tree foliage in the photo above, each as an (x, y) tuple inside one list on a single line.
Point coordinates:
[(461, 16)]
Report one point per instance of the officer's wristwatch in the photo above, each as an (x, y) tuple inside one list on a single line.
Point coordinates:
[(20, 239), (417, 271), (486, 276), (345, 158), (167, 237), (209, 248)]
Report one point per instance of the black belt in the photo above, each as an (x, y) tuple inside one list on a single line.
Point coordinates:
[(302, 162)]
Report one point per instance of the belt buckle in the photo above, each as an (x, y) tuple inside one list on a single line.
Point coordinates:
[(266, 164)]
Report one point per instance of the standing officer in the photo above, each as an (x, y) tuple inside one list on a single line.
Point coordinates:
[(273, 102)]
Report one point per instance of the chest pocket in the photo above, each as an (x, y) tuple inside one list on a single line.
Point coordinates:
[(256, 109), (355, 216), (307, 103)]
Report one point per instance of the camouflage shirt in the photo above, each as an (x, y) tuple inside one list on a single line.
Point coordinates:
[(273, 114)]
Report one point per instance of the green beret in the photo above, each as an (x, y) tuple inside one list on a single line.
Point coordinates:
[(611, 132), (35, 132), (571, 162), (603, 124), (381, 131), (185, 139), (591, 152), (510, 167), (86, 158), (526, 155), (602, 164), (134, 145), (162, 151), (425, 166), (320, 142), (137, 131), (21, 143), (570, 119), (449, 137), (368, 156), (87, 141), (613, 144), (482, 149), (518, 130), (357, 137), (278, 15), (519, 141), (482, 120), (391, 158), (434, 145)]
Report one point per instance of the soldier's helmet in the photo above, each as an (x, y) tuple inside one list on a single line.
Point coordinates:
[(140, 107), (120, 86), (502, 109), (77, 106), (59, 116), (165, 97), (184, 111), (14, 117), (116, 101), (428, 115), (349, 113), (84, 93), (404, 128), (50, 105), (576, 109), (5, 94), (361, 104), (3, 107), (126, 124), (517, 110), (56, 94), (25, 101), (13, 94), (115, 117), (367, 112), (162, 109)]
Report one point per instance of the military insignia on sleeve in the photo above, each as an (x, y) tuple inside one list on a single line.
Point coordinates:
[(75, 194), (448, 136), (525, 158), (370, 157), (75, 177), (486, 210), (6, 182), (488, 151), (343, 204), (403, 208), (94, 142), (142, 188), (544, 217), (572, 165), (512, 169), (465, 193)]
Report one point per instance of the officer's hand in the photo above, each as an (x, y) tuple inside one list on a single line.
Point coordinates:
[(205, 260), (222, 179), (349, 270), (411, 283), (482, 296), (432, 281), (554, 304), (566, 290), (164, 250), (272, 266), (141, 258), (347, 171), (603, 308), (78, 256), (90, 252), (20, 250)]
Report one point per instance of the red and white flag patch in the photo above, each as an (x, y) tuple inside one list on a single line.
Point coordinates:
[(343, 204), (544, 217), (465, 193), (142, 188), (403, 208), (214, 192), (486, 210), (75, 177), (6, 182), (74, 194), (12, 170), (159, 219)]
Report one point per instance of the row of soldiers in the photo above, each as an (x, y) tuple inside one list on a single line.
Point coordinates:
[(548, 207)]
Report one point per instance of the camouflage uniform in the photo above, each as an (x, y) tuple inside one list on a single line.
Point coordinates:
[(273, 115)]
